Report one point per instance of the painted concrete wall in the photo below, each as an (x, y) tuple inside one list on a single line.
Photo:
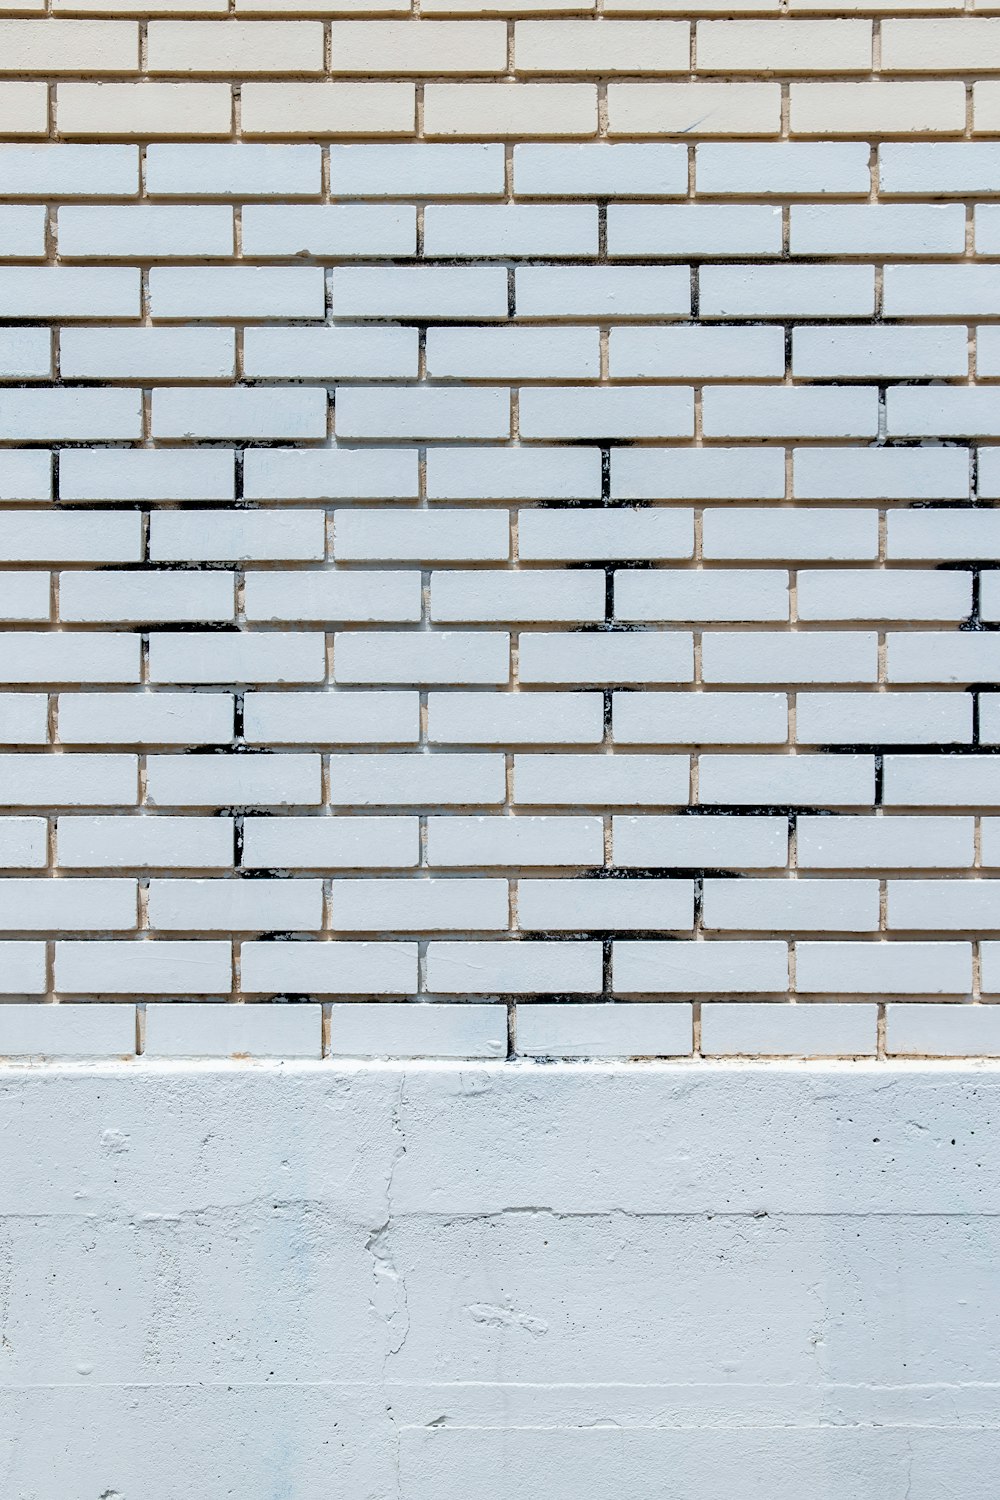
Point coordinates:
[(436, 1281)]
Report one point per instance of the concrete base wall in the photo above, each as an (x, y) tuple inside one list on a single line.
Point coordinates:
[(445, 1281)]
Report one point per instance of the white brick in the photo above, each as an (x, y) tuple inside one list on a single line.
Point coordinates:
[(67, 1030), (330, 842), (589, 905), (163, 474), (145, 718), (393, 1030), (22, 972), (789, 1030), (569, 171), (620, 1030), (158, 232), (342, 230), (233, 1031), (799, 168), (424, 170), (846, 843), (713, 841), (595, 779), (601, 291), (241, 171), (700, 718), (164, 967), (693, 229), (51, 171), (143, 842), (655, 968), (493, 231), (613, 534), (513, 968), (413, 536), (465, 842), (930, 1030), (338, 968), (691, 353), (877, 229)]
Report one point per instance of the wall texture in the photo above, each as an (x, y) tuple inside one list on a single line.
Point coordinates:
[(581, 1282), (498, 507)]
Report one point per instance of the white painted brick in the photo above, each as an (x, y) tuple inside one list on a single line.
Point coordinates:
[(850, 842), (25, 354), (913, 594), (23, 843), (692, 353), (231, 535), (780, 780), (145, 718), (515, 718), (329, 596), (66, 1031), (709, 842), (49, 171), (143, 842), (205, 656), (235, 905), (24, 596), (24, 718), (22, 971), (413, 536), (160, 232), (620, 1030), (431, 292), (877, 229), (34, 536), (228, 780), (605, 657), (527, 839), (594, 534), (69, 292), (418, 905), (883, 718), (69, 780), (648, 967), (723, 594), (342, 230), (887, 968), (570, 171), (788, 1030), (626, 412), (399, 780), (787, 291), (22, 231), (602, 291), (236, 292), (148, 354), (427, 171), (943, 1030), (72, 905), (693, 229), (880, 474), (330, 842), (588, 905), (797, 905), (241, 171), (163, 967), (391, 412), (576, 594), (337, 968), (938, 168), (697, 474), (331, 717), (161, 474), (492, 230), (393, 1030), (101, 596), (800, 168), (329, 353), (793, 412), (513, 968), (344, 474), (622, 779), (25, 475), (513, 353), (233, 1031), (700, 718), (514, 474), (927, 291), (859, 353), (421, 657)]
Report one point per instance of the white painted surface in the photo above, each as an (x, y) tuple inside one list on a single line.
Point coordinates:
[(435, 1281)]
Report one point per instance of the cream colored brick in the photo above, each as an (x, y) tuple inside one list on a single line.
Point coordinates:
[(694, 109), (140, 7), (24, 109), (432, 47), (784, 46), (69, 47), (939, 46), (684, 7), (235, 47), (509, 7), (602, 47), (986, 108), (144, 109), (323, 7), (877, 108), (317, 109), (495, 110)]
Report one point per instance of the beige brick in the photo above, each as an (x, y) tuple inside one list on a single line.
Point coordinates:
[(323, 7), (602, 47), (685, 8), (694, 109), (24, 109), (784, 46), (140, 7), (235, 47), (986, 108), (144, 109), (316, 109), (877, 108), (494, 110), (935, 46), (508, 7), (432, 47), (69, 47)]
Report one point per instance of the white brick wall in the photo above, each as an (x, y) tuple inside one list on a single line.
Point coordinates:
[(496, 510)]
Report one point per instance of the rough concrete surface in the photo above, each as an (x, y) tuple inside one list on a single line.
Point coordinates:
[(435, 1281)]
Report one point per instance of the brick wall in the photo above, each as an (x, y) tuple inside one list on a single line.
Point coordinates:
[(499, 512)]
